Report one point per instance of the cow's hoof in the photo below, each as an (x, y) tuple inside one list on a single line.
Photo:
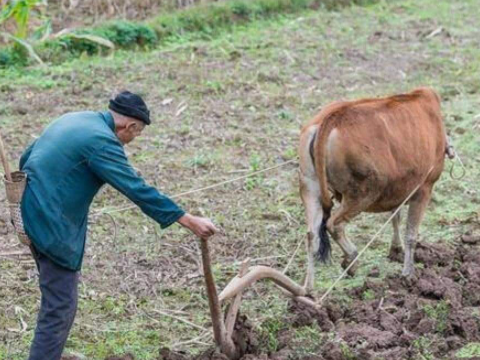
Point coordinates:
[(347, 260), (408, 270), (409, 279), (396, 254), (408, 274)]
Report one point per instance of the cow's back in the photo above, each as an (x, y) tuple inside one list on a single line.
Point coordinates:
[(385, 147)]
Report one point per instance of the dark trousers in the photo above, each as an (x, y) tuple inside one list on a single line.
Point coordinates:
[(59, 288)]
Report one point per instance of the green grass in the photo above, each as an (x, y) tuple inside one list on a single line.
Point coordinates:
[(248, 91), (469, 351), (422, 345), (439, 313)]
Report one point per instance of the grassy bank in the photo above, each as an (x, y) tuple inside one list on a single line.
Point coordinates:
[(202, 20)]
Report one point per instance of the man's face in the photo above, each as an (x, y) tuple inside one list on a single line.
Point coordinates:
[(130, 131)]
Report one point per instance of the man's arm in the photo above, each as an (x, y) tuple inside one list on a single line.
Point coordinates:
[(111, 165)]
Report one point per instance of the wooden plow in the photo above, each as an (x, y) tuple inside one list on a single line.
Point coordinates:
[(223, 327)]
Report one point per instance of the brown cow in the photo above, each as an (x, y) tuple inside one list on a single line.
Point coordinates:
[(369, 155)]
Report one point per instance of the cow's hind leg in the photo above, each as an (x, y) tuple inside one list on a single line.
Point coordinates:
[(395, 247), (310, 194), (336, 224), (416, 210), (349, 249)]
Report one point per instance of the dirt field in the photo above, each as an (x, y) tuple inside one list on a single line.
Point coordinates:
[(235, 104), (436, 313)]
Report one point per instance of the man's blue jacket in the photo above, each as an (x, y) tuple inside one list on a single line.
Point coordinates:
[(66, 166)]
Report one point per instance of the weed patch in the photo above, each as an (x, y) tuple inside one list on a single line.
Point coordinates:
[(469, 351)]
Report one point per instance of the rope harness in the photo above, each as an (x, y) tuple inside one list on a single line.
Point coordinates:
[(176, 196)]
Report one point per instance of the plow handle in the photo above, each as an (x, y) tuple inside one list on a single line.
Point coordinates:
[(223, 341)]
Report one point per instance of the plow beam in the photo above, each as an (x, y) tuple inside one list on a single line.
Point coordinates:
[(239, 284)]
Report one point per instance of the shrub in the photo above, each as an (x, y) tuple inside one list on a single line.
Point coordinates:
[(12, 56), (122, 34), (126, 34)]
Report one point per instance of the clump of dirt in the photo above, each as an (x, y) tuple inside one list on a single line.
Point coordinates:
[(244, 337), (434, 254), (167, 354), (470, 238), (304, 315), (124, 357)]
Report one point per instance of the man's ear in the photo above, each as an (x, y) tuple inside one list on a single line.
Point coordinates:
[(131, 126)]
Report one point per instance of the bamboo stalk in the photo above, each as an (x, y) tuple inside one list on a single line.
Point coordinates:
[(3, 156)]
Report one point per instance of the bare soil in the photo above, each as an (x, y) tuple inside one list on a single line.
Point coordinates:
[(390, 325), (437, 305)]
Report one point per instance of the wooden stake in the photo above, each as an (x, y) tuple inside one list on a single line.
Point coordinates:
[(3, 156)]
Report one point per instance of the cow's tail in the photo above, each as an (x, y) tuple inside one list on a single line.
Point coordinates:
[(324, 249)]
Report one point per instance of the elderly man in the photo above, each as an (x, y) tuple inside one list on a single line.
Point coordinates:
[(66, 166)]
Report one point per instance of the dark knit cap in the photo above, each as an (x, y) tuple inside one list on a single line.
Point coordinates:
[(131, 105)]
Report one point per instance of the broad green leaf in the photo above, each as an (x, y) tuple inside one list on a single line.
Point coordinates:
[(93, 38), (25, 45)]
